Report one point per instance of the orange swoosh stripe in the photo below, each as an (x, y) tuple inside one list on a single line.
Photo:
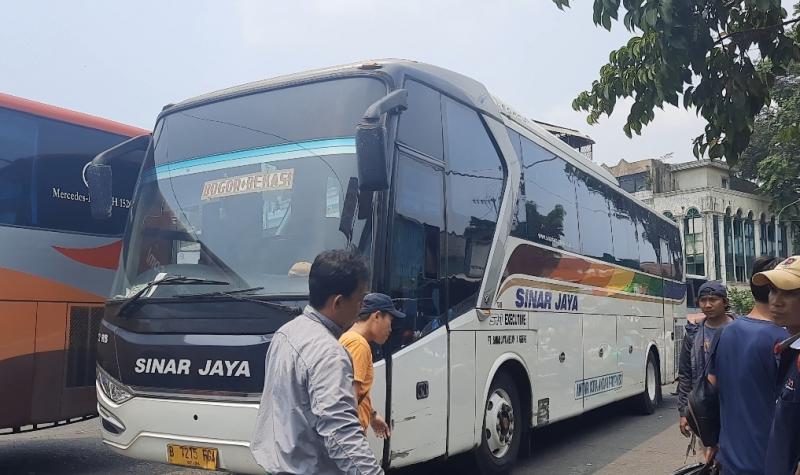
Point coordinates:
[(104, 257)]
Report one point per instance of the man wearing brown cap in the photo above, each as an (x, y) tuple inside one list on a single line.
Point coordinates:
[(783, 449)]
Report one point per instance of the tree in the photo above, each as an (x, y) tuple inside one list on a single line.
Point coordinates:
[(706, 50), (741, 300), (771, 160)]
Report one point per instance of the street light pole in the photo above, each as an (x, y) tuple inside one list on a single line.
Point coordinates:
[(777, 219)]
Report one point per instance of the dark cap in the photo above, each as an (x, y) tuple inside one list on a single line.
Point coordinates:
[(380, 303), (712, 287)]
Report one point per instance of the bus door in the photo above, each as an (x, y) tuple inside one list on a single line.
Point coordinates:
[(418, 382)]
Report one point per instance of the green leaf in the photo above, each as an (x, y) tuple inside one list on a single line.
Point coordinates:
[(606, 22), (651, 17), (715, 151)]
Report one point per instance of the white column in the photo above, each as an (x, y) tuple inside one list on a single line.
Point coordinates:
[(679, 218), (708, 244), (722, 268)]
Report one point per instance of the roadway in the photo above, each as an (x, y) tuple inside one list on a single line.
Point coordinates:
[(606, 441)]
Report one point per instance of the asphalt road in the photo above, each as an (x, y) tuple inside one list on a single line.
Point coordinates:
[(606, 441)]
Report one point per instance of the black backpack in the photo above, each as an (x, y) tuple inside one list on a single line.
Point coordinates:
[(703, 402)]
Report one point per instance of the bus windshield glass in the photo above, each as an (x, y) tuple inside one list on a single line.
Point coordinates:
[(248, 190)]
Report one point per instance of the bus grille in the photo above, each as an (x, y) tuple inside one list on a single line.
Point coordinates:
[(84, 323)]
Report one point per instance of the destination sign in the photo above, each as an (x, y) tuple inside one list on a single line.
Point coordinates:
[(253, 183)]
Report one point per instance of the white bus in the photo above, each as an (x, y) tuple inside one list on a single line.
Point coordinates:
[(537, 288)]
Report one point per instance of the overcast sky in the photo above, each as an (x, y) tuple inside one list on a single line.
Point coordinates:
[(125, 60)]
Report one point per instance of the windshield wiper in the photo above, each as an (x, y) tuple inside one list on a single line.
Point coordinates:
[(214, 294), (169, 280), (233, 294)]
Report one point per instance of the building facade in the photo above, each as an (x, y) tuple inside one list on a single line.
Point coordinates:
[(724, 222)]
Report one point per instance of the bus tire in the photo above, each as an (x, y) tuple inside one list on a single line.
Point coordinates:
[(647, 402), (503, 423)]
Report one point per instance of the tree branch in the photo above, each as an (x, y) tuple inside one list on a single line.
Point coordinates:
[(750, 30)]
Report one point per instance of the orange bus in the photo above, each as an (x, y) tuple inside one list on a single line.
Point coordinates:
[(56, 263)]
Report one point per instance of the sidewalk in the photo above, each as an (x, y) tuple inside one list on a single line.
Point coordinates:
[(611, 440)]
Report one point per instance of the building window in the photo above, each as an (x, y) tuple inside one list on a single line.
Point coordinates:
[(717, 257), (782, 244), (693, 239), (771, 237), (635, 182), (763, 238), (725, 183), (669, 215)]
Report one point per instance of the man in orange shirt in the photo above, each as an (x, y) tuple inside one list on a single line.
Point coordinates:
[(374, 325)]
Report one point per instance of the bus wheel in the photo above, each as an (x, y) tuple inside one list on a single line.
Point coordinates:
[(649, 399), (503, 422)]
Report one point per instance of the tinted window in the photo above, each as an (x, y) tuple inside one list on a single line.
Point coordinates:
[(547, 211), (593, 215), (676, 253), (474, 195), (415, 254), (666, 260), (41, 175), (18, 147), (623, 226), (649, 245), (634, 183), (421, 124), (322, 110)]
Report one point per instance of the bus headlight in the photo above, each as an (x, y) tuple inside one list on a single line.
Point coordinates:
[(112, 388)]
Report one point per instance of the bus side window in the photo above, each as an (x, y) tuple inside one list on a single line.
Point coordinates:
[(594, 216), (547, 211), (417, 231), (475, 179), (18, 139), (421, 124)]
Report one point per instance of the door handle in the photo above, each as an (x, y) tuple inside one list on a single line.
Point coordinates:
[(422, 390)]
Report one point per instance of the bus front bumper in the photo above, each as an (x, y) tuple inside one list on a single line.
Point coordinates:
[(143, 427)]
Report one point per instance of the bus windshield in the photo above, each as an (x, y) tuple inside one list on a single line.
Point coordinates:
[(249, 190)]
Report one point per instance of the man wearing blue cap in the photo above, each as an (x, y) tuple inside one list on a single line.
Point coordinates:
[(712, 298), (374, 325)]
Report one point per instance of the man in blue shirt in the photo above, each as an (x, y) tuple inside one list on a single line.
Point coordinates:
[(744, 369), (783, 448)]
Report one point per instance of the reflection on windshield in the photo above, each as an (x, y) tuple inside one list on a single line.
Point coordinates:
[(250, 225), (250, 189)]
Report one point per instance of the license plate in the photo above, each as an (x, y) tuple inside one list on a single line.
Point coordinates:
[(188, 456)]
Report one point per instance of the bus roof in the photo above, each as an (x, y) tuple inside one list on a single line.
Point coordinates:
[(458, 86), (65, 115)]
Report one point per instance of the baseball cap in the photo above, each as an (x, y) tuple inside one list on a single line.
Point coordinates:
[(380, 303), (785, 276), (712, 287)]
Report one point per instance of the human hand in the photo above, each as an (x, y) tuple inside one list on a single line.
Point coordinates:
[(380, 426), (711, 453), (684, 426)]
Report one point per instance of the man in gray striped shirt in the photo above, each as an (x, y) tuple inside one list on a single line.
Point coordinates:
[(307, 422)]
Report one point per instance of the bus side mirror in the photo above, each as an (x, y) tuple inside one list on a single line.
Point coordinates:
[(98, 178), (371, 151), (98, 174)]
